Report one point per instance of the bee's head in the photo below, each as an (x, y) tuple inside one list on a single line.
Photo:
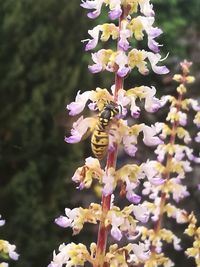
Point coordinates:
[(112, 106)]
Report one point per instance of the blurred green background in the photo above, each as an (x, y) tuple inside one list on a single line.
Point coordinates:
[(42, 66)]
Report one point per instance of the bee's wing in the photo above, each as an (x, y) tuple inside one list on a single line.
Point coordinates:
[(90, 129)]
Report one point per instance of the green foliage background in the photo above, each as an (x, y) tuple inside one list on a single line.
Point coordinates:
[(42, 65)]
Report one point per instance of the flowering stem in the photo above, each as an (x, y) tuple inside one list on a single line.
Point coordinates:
[(158, 223), (106, 200)]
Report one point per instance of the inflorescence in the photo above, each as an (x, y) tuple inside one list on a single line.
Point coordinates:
[(162, 178)]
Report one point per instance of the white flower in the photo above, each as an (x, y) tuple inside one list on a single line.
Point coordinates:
[(94, 33), (141, 251), (12, 253), (152, 103), (122, 100), (109, 182), (141, 213), (93, 4), (80, 127), (80, 102), (151, 190), (182, 118), (124, 35), (168, 263), (187, 166), (154, 59), (67, 221), (116, 222), (62, 257), (84, 175), (135, 110), (194, 104), (156, 211), (115, 7), (197, 138), (152, 32), (149, 135), (122, 61), (2, 222), (146, 8), (176, 243), (179, 191), (149, 169), (130, 194), (129, 142), (180, 216), (160, 151), (92, 163), (97, 58)]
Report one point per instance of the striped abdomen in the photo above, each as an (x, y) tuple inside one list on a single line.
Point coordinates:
[(99, 142), (100, 138)]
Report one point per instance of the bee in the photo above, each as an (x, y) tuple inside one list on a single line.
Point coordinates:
[(100, 136)]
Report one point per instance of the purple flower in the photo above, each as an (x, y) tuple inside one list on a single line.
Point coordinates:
[(157, 181), (152, 32), (116, 222), (95, 4), (124, 35), (122, 61), (130, 195), (115, 14), (79, 104), (141, 213), (141, 252), (101, 59), (94, 33), (63, 221), (152, 104), (194, 104), (135, 110), (123, 71), (129, 142), (154, 59), (182, 118), (115, 9), (197, 138), (133, 198), (95, 68), (116, 233), (80, 127)]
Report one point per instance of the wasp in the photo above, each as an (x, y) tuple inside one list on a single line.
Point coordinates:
[(100, 136)]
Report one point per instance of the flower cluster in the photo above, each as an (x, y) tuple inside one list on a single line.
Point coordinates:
[(121, 132), (114, 126), (6, 249), (174, 159), (124, 59), (194, 232)]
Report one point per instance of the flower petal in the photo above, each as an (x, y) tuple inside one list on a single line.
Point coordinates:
[(154, 59)]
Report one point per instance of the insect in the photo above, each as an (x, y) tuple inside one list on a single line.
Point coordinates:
[(100, 136)]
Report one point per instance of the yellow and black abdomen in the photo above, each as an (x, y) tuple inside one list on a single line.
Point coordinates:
[(99, 142), (100, 137)]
